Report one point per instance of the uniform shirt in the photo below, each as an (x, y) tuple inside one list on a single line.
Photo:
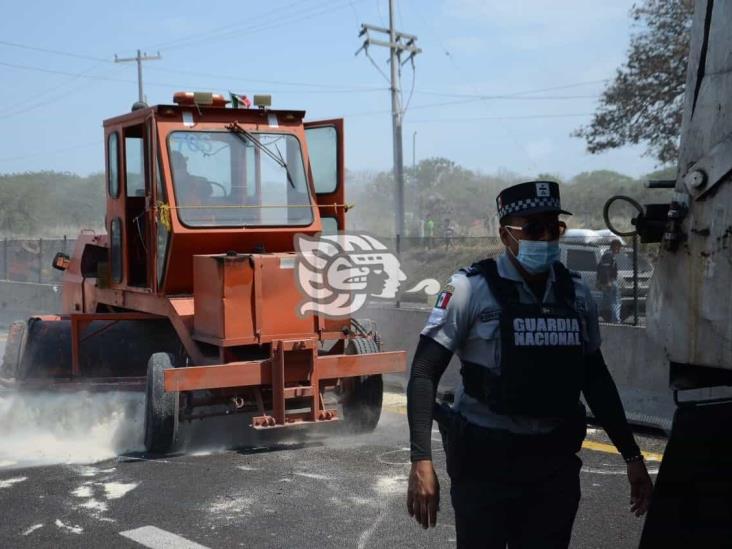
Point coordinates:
[(465, 321)]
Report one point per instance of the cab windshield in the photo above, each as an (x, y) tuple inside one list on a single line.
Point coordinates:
[(221, 180)]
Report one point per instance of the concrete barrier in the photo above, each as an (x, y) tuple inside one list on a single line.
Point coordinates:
[(638, 365)]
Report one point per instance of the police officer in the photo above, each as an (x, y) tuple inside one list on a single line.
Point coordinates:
[(526, 332)]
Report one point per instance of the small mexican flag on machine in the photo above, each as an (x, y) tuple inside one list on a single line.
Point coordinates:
[(240, 101)]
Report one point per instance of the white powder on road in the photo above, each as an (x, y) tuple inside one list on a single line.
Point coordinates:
[(89, 471), (83, 492), (386, 486), (72, 529), (116, 490), (7, 483), (313, 476), (94, 505), (230, 508), (78, 427), (97, 507), (32, 529)]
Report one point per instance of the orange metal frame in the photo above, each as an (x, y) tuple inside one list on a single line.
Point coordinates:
[(294, 368)]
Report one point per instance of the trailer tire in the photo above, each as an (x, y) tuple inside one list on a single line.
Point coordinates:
[(161, 408), (14, 348), (363, 399)]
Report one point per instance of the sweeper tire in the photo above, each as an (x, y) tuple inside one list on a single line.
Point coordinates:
[(14, 347), (364, 395), (161, 408)]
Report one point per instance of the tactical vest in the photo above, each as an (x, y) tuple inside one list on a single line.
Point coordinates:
[(542, 351)]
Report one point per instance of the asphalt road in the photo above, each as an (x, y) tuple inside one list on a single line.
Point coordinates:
[(290, 489)]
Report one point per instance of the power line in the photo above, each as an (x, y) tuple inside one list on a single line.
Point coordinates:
[(178, 84), (65, 73), (476, 97), (55, 52), (468, 98), (41, 99), (292, 17), (230, 78), (280, 82), (521, 93), (506, 117), (229, 27)]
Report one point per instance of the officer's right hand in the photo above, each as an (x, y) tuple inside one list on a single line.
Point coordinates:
[(423, 493)]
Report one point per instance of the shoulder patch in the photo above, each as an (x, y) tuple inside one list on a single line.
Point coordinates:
[(444, 297)]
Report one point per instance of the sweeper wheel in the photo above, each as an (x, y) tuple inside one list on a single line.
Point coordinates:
[(363, 395), (161, 408)]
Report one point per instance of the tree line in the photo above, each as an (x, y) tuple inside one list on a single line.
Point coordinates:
[(441, 190), (50, 203), (53, 203)]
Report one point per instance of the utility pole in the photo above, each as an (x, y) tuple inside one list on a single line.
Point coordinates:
[(139, 59), (414, 150), (399, 43)]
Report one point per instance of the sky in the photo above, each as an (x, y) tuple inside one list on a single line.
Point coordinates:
[(498, 86)]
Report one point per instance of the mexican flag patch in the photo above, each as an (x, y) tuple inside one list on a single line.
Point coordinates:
[(443, 299)]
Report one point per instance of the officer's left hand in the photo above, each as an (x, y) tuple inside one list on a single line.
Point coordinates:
[(641, 488)]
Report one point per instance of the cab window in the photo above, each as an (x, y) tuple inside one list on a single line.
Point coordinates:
[(113, 165)]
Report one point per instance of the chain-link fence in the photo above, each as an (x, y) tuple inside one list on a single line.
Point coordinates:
[(29, 260), (621, 297)]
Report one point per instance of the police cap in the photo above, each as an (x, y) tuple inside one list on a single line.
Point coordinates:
[(531, 197)]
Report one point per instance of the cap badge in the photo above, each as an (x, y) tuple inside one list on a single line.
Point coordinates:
[(542, 190)]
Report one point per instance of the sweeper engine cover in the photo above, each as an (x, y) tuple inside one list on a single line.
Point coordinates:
[(241, 299)]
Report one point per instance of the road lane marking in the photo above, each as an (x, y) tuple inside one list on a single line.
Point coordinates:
[(398, 406), (610, 449), (156, 538), (600, 471)]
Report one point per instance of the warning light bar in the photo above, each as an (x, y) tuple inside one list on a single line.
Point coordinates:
[(206, 99)]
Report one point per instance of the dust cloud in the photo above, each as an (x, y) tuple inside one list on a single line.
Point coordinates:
[(52, 428)]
